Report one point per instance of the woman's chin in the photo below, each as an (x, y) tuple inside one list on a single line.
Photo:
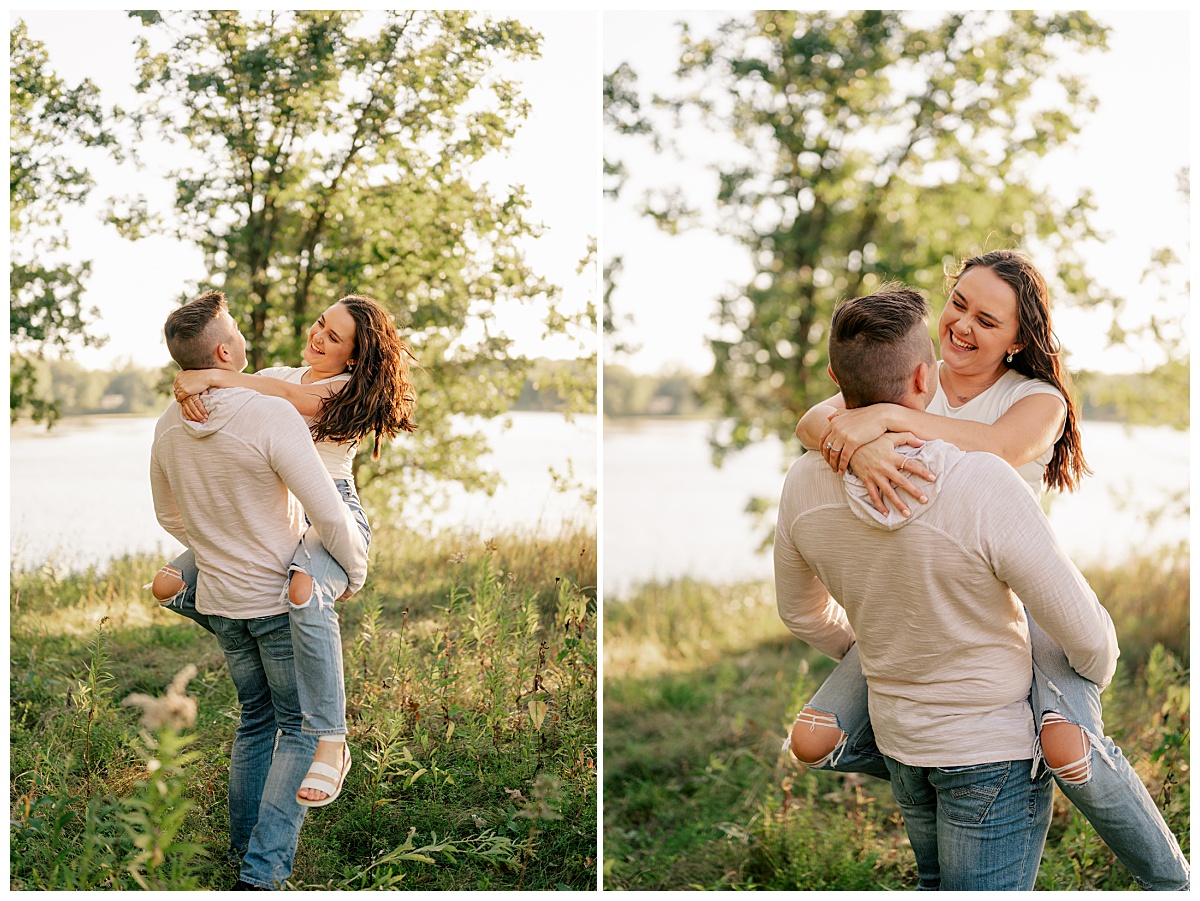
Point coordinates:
[(957, 358)]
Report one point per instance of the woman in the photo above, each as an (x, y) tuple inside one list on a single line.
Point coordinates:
[(1002, 389), (356, 382)]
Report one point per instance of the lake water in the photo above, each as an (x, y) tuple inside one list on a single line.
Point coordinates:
[(668, 512), (80, 494)]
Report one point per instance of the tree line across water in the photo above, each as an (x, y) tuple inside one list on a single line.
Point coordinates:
[(1158, 397), (129, 389)]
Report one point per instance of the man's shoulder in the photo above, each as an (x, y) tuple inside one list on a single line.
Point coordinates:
[(979, 474), (810, 483), (169, 418), (267, 405), (249, 416), (809, 466), (987, 463)]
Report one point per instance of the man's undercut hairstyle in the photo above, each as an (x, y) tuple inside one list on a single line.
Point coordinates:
[(192, 333), (875, 343)]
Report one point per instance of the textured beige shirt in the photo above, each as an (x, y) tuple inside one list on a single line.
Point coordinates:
[(235, 490), (932, 603)]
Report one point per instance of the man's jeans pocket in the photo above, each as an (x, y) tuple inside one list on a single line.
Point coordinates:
[(967, 793)]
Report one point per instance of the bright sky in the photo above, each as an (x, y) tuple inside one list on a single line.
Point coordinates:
[(555, 155), (1129, 154)]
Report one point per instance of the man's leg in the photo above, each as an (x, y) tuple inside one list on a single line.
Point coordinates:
[(992, 821), (1093, 773), (272, 848), (833, 731), (254, 741), (918, 803)]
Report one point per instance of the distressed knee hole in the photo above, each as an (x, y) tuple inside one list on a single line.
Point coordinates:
[(1066, 749), (815, 736), (300, 589), (166, 584)]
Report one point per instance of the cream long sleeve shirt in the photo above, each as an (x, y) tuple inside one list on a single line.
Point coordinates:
[(932, 602), (235, 490)]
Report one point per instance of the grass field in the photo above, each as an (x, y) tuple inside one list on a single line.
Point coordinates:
[(701, 685), (471, 677)]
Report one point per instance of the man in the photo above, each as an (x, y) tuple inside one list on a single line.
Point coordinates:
[(929, 602), (235, 489)]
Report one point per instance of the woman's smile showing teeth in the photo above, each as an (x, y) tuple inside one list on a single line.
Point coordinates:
[(959, 343)]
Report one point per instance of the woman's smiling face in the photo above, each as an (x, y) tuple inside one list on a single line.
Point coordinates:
[(330, 346), (978, 327)]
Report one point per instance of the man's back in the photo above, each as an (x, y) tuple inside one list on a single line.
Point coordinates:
[(220, 489), (943, 641)]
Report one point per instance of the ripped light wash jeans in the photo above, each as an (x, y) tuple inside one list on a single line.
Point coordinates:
[(1111, 796), (317, 642), (317, 639)]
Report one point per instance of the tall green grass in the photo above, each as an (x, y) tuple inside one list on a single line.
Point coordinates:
[(701, 685), (471, 676)]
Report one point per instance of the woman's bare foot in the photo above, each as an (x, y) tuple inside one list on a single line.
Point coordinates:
[(329, 753), (166, 584)]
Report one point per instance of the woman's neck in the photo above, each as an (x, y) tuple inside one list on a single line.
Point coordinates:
[(315, 375), (962, 388)]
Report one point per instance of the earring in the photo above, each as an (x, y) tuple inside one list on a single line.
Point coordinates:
[(1010, 358)]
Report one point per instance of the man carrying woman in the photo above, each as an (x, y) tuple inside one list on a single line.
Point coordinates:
[(927, 602), (236, 489)]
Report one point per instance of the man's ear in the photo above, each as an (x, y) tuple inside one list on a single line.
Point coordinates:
[(923, 377), (829, 369), (223, 353)]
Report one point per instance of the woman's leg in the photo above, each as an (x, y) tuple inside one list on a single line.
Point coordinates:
[(833, 731), (316, 583), (1093, 773), (174, 587)]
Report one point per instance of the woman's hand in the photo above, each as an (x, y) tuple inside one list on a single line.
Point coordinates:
[(848, 430), (884, 470), (194, 381), (193, 408)]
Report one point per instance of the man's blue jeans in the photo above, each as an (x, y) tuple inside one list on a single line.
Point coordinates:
[(270, 753), (974, 828), (1112, 797)]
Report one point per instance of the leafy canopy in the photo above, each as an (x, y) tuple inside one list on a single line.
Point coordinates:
[(48, 122), (331, 152), (872, 145)]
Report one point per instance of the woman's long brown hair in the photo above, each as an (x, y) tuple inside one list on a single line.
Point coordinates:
[(379, 397), (1040, 356)]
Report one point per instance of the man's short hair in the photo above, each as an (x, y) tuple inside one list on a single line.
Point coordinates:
[(875, 343), (192, 337)]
